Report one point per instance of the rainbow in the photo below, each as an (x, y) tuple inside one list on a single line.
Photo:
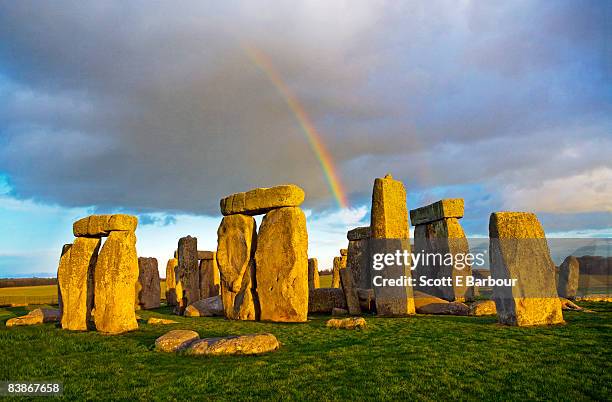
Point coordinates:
[(312, 135)]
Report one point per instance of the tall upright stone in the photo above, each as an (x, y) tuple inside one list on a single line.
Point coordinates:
[(389, 234), (350, 291), (358, 257), (338, 264), (209, 276), (281, 259), (313, 273), (188, 272), (116, 275), (75, 277), (518, 250), (171, 265), (569, 273), (149, 287), (438, 234), (236, 243)]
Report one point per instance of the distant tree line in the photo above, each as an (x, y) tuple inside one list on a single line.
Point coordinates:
[(21, 282)]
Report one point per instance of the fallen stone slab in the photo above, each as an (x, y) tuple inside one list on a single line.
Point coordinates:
[(102, 225), (347, 323), (160, 321), (38, 316), (569, 305), (483, 307), (448, 308), (176, 340), (251, 344), (261, 200), (209, 307), (447, 208)]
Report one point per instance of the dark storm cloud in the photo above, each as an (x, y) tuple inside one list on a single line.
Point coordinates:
[(158, 107)]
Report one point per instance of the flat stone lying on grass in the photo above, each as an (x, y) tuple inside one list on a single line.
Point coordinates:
[(160, 321), (448, 308), (38, 316), (235, 345), (570, 305), (176, 340), (209, 307), (347, 323), (595, 298), (427, 304), (483, 307)]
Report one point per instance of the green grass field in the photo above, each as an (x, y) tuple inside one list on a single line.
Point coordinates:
[(422, 357)]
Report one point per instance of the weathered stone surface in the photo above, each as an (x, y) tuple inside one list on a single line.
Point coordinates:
[(251, 344), (115, 276), (38, 316), (389, 215), (236, 243), (262, 200), (350, 291), (206, 255), (360, 233), (171, 266), (324, 300), (367, 300), (358, 263), (483, 307), (209, 307), (595, 298), (75, 278), (102, 225), (347, 323), (343, 252), (446, 308), (187, 273), (149, 287), (422, 299), (339, 263), (569, 273), (518, 250), (210, 282), (176, 340), (339, 312), (389, 234), (447, 208), (569, 305), (281, 259), (160, 321), (443, 238), (313, 273)]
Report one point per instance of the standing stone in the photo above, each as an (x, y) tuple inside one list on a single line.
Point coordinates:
[(518, 250), (350, 291), (569, 272), (75, 277), (171, 299), (149, 289), (389, 234), (357, 260), (209, 277), (339, 263), (282, 266), (116, 275), (313, 273), (438, 234), (188, 272), (236, 243)]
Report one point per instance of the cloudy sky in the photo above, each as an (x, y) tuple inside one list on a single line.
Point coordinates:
[(156, 109)]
